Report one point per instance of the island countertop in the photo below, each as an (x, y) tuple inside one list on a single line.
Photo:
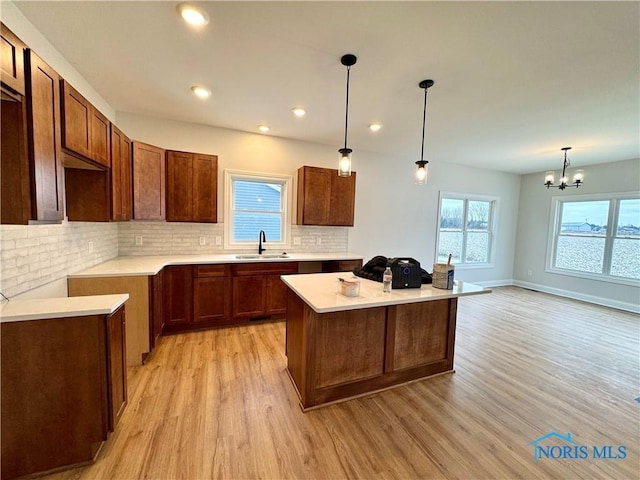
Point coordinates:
[(37, 309), (135, 265), (322, 293)]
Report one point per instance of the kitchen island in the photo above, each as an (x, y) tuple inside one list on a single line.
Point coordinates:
[(339, 347)]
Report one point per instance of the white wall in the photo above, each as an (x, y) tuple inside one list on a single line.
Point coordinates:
[(393, 216), (533, 232)]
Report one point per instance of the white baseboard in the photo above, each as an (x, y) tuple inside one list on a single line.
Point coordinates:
[(607, 302), (496, 283)]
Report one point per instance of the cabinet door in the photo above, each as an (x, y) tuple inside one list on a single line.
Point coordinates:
[(100, 126), (249, 296), (148, 182), (43, 122), (276, 295), (205, 188), (116, 366), (179, 186), (314, 187), (178, 295), (211, 299), (12, 61), (343, 195), (120, 175), (156, 308), (15, 186), (76, 125)]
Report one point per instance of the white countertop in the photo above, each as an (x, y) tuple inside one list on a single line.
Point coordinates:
[(321, 292), (151, 265), (37, 309)]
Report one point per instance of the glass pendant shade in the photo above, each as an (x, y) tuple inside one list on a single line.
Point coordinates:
[(578, 176), (344, 162), (549, 178), (422, 172)]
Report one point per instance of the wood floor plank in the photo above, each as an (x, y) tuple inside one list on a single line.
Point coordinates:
[(219, 404)]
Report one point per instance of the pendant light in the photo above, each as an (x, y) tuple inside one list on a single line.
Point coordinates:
[(344, 162), (422, 170), (578, 176)]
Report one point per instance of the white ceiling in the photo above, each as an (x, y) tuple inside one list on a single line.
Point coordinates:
[(514, 82)]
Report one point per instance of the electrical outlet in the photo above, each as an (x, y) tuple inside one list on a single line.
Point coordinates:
[(529, 273), (90, 247), (319, 242), (203, 240), (218, 240), (296, 241), (138, 239)]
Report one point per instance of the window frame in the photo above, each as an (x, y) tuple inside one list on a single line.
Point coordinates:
[(555, 218), (286, 196), (491, 229)]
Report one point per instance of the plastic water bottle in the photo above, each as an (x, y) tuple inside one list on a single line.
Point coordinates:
[(387, 276)]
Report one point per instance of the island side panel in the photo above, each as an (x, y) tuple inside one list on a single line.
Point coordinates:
[(137, 324), (295, 342)]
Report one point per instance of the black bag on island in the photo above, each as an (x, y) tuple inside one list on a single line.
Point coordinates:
[(374, 269), (406, 273)]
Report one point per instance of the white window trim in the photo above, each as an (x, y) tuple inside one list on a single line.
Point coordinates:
[(492, 227), (554, 221), (287, 181)]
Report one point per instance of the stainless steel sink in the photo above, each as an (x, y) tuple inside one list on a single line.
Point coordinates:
[(255, 256)]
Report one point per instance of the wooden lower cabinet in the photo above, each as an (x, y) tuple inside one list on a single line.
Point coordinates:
[(178, 296), (63, 389), (196, 296), (258, 290)]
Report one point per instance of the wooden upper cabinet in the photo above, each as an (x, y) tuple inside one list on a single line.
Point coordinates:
[(148, 182), (43, 121), (324, 198), (12, 63), (192, 185), (121, 188), (85, 131), (205, 188)]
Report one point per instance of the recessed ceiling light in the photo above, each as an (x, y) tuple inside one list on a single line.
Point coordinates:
[(264, 128), (200, 91), (299, 111), (193, 15), (374, 127)]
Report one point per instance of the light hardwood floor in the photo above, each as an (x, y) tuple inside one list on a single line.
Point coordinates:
[(219, 404)]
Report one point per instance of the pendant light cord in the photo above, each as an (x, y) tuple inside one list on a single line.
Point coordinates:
[(424, 122), (346, 115)]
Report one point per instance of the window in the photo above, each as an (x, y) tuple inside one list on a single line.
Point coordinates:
[(596, 236), (465, 229), (256, 202)]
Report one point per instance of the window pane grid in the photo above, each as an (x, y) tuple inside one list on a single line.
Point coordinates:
[(599, 237), (464, 230)]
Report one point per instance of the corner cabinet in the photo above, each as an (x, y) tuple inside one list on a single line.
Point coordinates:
[(192, 184), (64, 387), (31, 166), (148, 182), (324, 198)]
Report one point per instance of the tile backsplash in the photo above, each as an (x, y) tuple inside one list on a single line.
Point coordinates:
[(34, 255), (167, 238)]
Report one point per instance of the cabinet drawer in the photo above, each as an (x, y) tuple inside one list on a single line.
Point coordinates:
[(264, 268), (210, 271)]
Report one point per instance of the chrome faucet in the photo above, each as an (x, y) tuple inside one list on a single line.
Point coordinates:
[(261, 238)]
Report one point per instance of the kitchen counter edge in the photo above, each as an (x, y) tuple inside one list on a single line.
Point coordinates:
[(16, 310)]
